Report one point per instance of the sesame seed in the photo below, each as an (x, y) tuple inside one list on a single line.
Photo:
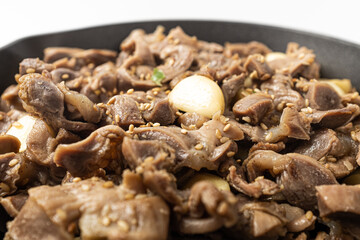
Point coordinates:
[(17, 125), (257, 90), (149, 159), (108, 184), (230, 154), (306, 88), (306, 102), (130, 91), (192, 126), (117, 118), (13, 162), (263, 126), (106, 221), (129, 196), (331, 159), (309, 215), (268, 136), (97, 92), (348, 165), (223, 208), (103, 89), (85, 187), (238, 160), (65, 76), (309, 110), (354, 95), (131, 127), (61, 214), (167, 92), (227, 127), (155, 93), (76, 179), (199, 146), (30, 70), (218, 134), (178, 113), (224, 139), (184, 131), (246, 119), (280, 106), (156, 125), (124, 226), (290, 104), (272, 96), (353, 135), (149, 97)]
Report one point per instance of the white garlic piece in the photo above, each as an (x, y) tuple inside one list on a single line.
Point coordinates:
[(198, 94)]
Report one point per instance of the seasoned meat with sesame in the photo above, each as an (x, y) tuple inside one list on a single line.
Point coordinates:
[(173, 137)]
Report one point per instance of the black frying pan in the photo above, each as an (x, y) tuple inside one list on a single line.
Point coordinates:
[(338, 59)]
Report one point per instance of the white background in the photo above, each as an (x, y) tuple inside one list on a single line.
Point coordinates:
[(18, 19)]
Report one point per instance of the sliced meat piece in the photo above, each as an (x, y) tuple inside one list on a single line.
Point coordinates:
[(293, 124), (88, 110), (255, 189), (33, 219), (96, 151), (300, 177), (256, 62), (127, 80), (322, 96), (336, 117), (63, 74), (198, 148), (160, 112), (9, 143), (10, 99), (42, 97), (137, 151), (141, 54), (254, 106), (34, 65), (13, 204), (95, 56), (276, 147), (209, 210), (192, 119), (298, 61), (245, 49), (177, 59), (281, 87), (231, 87), (339, 201), (125, 111)]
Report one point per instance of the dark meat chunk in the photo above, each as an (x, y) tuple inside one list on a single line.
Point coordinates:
[(137, 151), (300, 177), (337, 150), (281, 87), (209, 151), (96, 151), (33, 219), (299, 174), (231, 87), (10, 99), (34, 65), (42, 97), (192, 119), (14, 172), (13, 204), (336, 117), (124, 111), (177, 59), (293, 124), (322, 96), (9, 143), (297, 61), (160, 112), (109, 215), (339, 201), (256, 62), (209, 210), (127, 80), (245, 49), (254, 106)]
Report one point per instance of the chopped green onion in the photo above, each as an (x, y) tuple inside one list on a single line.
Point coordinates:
[(157, 76)]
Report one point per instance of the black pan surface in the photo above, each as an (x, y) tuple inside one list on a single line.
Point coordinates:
[(338, 59)]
